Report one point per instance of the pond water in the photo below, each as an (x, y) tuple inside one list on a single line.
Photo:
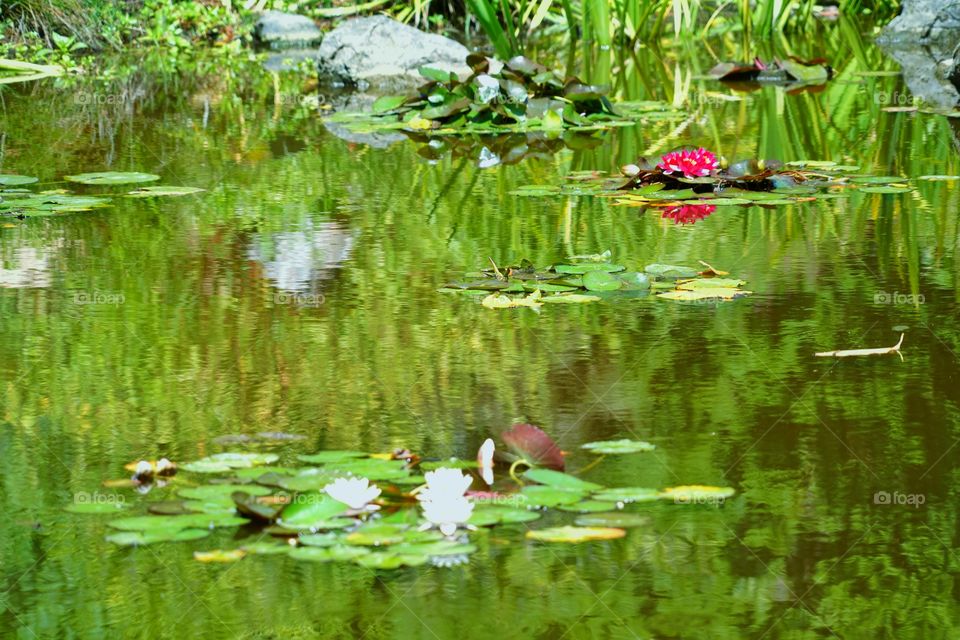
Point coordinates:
[(298, 293)]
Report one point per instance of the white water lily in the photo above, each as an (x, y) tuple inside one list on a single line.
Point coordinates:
[(447, 513), (445, 483), (443, 501), (356, 493), (485, 460)]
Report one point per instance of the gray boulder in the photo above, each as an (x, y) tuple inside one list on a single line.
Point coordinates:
[(925, 20), (384, 54), (280, 30)]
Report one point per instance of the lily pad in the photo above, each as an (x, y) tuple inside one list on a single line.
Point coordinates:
[(164, 523), (486, 515), (576, 534), (311, 511), (670, 272), (618, 446), (112, 177), (162, 191), (588, 506), (719, 293), (221, 491), (139, 538), (587, 267), (560, 480), (222, 462), (13, 180), (96, 507), (324, 457), (885, 189), (571, 298), (612, 519), (697, 494), (601, 281), (543, 496), (627, 494)]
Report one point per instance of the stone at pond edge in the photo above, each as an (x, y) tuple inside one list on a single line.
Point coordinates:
[(279, 30), (381, 52)]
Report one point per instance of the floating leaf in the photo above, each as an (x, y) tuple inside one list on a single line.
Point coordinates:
[(572, 298), (618, 446), (711, 283), (13, 180), (311, 511), (670, 272), (559, 480), (532, 444), (138, 538), (163, 523), (614, 519), (324, 457), (112, 177), (576, 534), (266, 548), (221, 462), (485, 515), (697, 494), (587, 267), (157, 192), (112, 506), (543, 496), (219, 555), (627, 494), (885, 189), (697, 295), (588, 506), (601, 281)]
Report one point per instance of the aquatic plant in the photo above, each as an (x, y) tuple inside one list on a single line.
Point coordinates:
[(696, 163)]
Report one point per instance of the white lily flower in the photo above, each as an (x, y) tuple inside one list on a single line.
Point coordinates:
[(444, 483), (356, 493), (485, 460), (447, 513)]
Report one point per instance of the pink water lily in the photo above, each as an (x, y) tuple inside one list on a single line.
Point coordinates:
[(692, 164)]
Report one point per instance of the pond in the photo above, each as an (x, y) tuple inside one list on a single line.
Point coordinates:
[(298, 294)]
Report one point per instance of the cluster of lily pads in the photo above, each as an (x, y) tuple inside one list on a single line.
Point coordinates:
[(688, 186), (590, 278), (381, 510), (521, 95), (18, 201)]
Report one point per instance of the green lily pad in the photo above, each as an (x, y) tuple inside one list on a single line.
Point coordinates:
[(670, 272), (96, 507), (618, 446), (571, 298), (164, 523), (382, 560), (267, 548), (576, 534), (371, 468), (218, 507), (587, 267), (543, 496), (588, 506), (139, 538), (311, 511), (325, 457), (697, 494), (162, 191), (885, 189), (13, 180), (711, 283), (222, 462), (627, 494), (320, 539), (112, 177), (719, 293), (612, 519), (601, 281), (381, 534), (486, 515), (560, 480)]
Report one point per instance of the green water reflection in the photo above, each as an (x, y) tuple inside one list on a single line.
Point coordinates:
[(298, 294)]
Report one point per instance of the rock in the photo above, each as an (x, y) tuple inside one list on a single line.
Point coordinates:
[(925, 20), (384, 54), (279, 30)]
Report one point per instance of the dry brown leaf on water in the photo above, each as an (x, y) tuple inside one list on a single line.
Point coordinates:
[(710, 272), (846, 353)]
